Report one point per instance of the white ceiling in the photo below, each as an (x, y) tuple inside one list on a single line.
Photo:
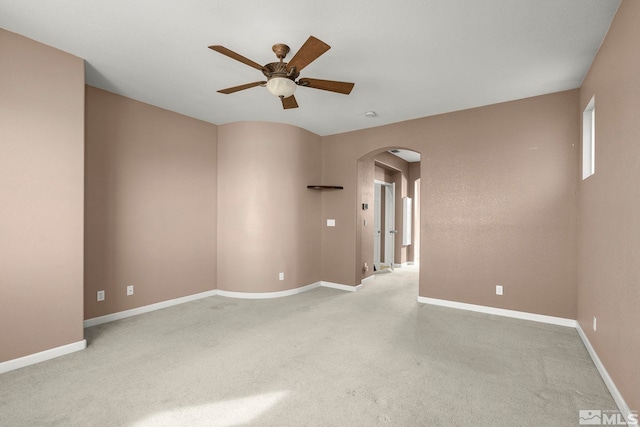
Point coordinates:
[(408, 58), (406, 155)]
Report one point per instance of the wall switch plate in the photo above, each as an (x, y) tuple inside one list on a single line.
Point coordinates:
[(100, 296), (129, 290), (595, 323), (498, 289), (281, 276), (331, 223)]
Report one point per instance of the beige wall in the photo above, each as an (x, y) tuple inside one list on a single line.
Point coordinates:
[(41, 197), (268, 221), (609, 284), (380, 173), (499, 202), (368, 172), (150, 204)]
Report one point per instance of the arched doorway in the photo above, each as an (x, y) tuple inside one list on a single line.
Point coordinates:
[(388, 207)]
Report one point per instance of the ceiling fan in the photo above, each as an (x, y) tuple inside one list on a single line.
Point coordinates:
[(281, 76)]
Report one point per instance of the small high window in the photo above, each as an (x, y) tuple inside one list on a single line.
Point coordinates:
[(589, 139)]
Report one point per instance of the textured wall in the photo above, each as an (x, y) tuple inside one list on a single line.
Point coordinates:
[(499, 202), (268, 221), (41, 196), (366, 178), (150, 204), (609, 275)]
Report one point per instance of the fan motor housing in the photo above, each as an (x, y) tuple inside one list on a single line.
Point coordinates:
[(279, 69)]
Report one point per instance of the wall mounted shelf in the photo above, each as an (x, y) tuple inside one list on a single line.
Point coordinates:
[(325, 187)]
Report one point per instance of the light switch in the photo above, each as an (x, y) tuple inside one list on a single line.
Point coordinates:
[(331, 223)]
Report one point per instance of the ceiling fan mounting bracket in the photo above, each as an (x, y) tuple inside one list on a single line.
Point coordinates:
[(281, 50)]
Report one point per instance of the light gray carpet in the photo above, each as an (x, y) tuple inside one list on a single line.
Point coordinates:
[(321, 358)]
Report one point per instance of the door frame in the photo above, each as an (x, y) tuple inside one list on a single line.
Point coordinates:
[(377, 226), (389, 226)]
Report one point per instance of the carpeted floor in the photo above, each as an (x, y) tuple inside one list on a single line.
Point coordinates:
[(320, 358)]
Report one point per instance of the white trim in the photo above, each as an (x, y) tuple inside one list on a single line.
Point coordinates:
[(615, 393), (500, 312), (266, 295), (589, 139), (229, 294), (42, 356), (617, 397), (407, 217), (368, 279), (377, 181), (340, 286), (147, 308)]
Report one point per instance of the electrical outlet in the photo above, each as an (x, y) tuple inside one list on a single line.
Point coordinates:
[(129, 290), (100, 295), (498, 289), (281, 276), (595, 323)]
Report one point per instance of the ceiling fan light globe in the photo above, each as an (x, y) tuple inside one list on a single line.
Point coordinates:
[(281, 86)]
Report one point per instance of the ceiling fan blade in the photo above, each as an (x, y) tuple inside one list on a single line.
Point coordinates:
[(241, 87), (231, 54), (330, 85), (289, 102), (309, 52)]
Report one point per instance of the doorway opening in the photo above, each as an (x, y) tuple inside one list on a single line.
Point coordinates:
[(388, 212), (384, 226)]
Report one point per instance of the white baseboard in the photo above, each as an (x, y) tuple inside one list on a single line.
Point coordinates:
[(340, 286), (265, 295), (146, 309), (230, 294), (42, 356), (617, 397), (368, 279), (615, 393), (500, 312)]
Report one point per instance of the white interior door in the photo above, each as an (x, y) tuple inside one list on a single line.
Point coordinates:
[(389, 223), (376, 225)]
